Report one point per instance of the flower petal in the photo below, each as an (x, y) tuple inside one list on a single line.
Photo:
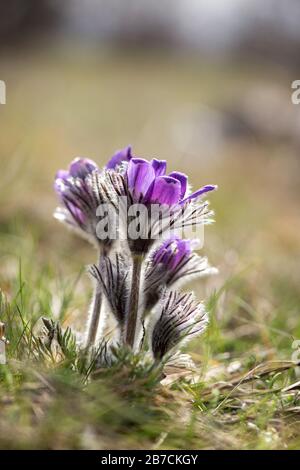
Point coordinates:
[(123, 155), (172, 252), (62, 174), (161, 255), (81, 167), (183, 181), (183, 249), (76, 213), (199, 192), (165, 190), (60, 185), (140, 174), (159, 166)]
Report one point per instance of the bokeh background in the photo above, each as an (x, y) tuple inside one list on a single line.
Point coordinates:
[(203, 84)]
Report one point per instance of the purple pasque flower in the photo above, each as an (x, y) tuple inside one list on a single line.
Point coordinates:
[(172, 205), (82, 189), (70, 185), (173, 262), (172, 252), (148, 183)]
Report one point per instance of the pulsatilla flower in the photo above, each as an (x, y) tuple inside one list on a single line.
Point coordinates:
[(148, 183), (181, 318), (168, 204), (172, 252), (74, 189), (173, 263), (137, 277), (82, 189)]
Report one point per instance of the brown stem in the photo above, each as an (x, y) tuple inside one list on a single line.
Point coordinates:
[(134, 301)]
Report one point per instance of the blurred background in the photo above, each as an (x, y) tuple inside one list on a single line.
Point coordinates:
[(203, 84)]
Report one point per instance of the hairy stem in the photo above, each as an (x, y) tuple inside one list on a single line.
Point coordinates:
[(134, 301), (94, 317)]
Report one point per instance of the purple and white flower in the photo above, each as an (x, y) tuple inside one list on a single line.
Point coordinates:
[(82, 189), (149, 183), (174, 263)]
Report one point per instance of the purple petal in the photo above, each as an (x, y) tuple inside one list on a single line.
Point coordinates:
[(159, 254), (60, 185), (172, 252), (159, 166), (123, 155), (165, 190), (199, 192), (81, 167), (183, 181), (182, 249), (76, 213), (62, 188), (140, 175), (62, 174)]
